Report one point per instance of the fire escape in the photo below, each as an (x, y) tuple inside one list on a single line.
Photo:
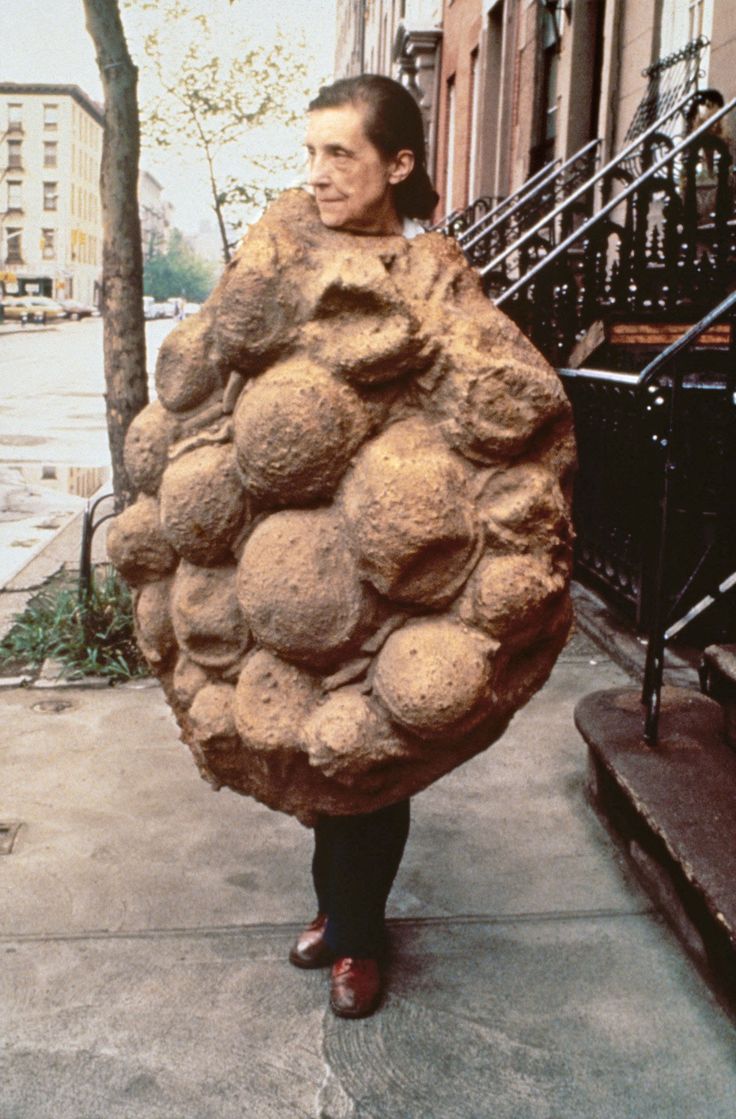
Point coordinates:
[(623, 275)]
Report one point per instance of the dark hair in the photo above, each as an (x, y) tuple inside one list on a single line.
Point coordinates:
[(392, 122), (703, 97)]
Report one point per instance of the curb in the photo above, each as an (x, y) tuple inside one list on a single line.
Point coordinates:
[(618, 639), (85, 683), (31, 328)]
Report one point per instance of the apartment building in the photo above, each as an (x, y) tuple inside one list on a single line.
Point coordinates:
[(515, 83), (527, 81), (50, 214), (400, 38), (155, 214)]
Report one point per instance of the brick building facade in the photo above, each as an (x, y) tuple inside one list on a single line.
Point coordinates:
[(523, 81)]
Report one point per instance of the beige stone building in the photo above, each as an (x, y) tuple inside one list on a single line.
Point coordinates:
[(155, 214), (50, 215)]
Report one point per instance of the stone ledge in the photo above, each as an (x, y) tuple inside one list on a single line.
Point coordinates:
[(672, 807)]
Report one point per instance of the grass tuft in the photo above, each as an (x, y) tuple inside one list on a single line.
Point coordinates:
[(95, 638)]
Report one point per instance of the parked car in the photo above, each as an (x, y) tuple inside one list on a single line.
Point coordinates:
[(153, 310), (32, 308), (191, 309), (73, 309)]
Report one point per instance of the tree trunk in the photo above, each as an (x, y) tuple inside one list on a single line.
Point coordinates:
[(122, 256)]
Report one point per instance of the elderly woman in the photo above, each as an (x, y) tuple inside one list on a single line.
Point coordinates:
[(365, 144)]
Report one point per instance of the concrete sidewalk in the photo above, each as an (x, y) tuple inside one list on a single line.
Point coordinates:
[(146, 921)]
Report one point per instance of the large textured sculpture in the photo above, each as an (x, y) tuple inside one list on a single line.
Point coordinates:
[(351, 548)]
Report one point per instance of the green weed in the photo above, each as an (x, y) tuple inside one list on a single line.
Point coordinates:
[(94, 638)]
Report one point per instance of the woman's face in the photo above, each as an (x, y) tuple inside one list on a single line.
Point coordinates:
[(351, 179)]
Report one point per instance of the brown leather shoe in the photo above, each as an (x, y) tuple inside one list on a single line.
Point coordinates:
[(355, 987), (309, 949)]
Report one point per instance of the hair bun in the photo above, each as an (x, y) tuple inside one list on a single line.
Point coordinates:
[(416, 197)]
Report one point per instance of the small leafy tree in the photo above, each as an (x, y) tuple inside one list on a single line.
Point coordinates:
[(224, 105), (178, 272)]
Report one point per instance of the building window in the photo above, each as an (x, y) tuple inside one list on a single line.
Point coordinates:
[(15, 117), (50, 116), (13, 254), (547, 110), (15, 163), (700, 17), (48, 243), (15, 197), (50, 153), (49, 196), (450, 147), (474, 126)]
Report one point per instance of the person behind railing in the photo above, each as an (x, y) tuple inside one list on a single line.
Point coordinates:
[(708, 158)]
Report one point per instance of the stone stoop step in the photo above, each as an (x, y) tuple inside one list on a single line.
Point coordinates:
[(718, 680), (673, 807)]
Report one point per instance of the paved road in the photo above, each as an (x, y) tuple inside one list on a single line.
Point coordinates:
[(52, 424), (52, 408)]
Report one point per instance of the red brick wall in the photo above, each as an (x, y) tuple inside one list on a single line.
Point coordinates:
[(461, 21)]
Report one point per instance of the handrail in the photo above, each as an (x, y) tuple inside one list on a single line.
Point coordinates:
[(584, 229), (585, 187), (615, 377), (550, 177), (529, 185), (650, 371), (654, 667)]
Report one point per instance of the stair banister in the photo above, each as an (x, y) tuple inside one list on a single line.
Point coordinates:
[(551, 176), (650, 371), (658, 634), (521, 194), (611, 205)]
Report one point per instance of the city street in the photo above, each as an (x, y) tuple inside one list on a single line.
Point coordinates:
[(53, 409), (53, 437)]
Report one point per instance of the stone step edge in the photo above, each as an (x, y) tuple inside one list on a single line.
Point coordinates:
[(672, 809)]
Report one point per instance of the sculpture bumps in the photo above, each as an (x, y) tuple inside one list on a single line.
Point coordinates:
[(350, 552)]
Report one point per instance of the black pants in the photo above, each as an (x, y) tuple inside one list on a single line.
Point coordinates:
[(355, 862)]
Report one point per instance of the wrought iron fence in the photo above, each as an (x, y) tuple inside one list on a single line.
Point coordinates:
[(494, 234), (662, 245)]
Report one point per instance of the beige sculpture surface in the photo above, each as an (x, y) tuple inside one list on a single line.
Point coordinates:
[(350, 552)]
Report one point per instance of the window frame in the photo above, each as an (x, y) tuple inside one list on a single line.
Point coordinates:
[(48, 122), (15, 154), (47, 196), (48, 247), (15, 124), (14, 190), (13, 234)]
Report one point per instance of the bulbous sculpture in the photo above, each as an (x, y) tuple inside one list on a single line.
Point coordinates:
[(351, 551)]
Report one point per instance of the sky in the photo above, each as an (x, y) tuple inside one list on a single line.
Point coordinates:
[(50, 43)]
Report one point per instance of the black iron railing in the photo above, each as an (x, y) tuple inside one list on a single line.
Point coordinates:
[(456, 223), (659, 245), (90, 523), (719, 553), (464, 223), (654, 493), (494, 235), (504, 204), (668, 80)]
